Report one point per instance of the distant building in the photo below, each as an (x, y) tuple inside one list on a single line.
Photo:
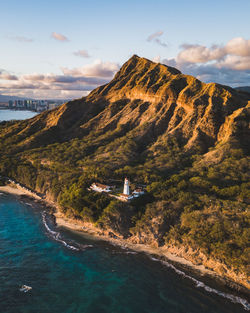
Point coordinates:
[(125, 197), (29, 104), (100, 187), (20, 104), (138, 192)]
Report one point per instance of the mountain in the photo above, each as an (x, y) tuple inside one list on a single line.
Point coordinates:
[(146, 93), (187, 141), (243, 88), (6, 98)]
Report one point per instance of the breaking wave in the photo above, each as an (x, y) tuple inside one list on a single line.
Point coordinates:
[(57, 236), (28, 204), (199, 284)]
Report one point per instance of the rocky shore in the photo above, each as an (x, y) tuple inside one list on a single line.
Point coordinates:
[(195, 260)]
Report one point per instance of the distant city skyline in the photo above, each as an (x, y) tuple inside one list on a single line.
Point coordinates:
[(60, 49)]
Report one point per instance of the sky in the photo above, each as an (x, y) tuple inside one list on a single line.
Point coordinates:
[(64, 49)]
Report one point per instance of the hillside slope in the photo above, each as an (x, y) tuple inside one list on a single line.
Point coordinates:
[(187, 141)]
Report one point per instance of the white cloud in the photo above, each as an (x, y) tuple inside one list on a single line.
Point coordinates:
[(79, 80), (82, 53), (235, 62), (155, 38), (200, 54), (235, 54), (155, 35), (7, 76), (46, 94), (59, 37), (96, 69), (157, 59), (238, 46), (227, 64)]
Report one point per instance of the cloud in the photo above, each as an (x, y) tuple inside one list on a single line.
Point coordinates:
[(81, 80), (44, 86), (238, 46), (227, 64), (7, 76), (235, 54), (155, 38), (214, 64), (211, 73), (46, 94), (21, 39), (235, 62), (155, 35), (200, 54), (96, 69), (59, 37), (65, 79), (82, 53)]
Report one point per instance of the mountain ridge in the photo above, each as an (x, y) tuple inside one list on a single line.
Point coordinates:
[(176, 94)]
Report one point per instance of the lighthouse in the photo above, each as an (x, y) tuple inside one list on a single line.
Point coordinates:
[(126, 187)]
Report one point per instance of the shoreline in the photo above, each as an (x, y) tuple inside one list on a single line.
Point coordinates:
[(88, 229), (19, 191), (80, 227)]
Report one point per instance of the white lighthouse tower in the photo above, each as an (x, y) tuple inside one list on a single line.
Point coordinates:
[(126, 187)]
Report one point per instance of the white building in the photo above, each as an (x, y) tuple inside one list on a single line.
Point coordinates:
[(100, 187), (126, 187), (125, 196), (138, 192)]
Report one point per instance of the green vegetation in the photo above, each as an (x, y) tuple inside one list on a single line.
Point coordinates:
[(204, 207), (2, 181), (192, 154)]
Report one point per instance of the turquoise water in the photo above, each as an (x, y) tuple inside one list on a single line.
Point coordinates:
[(7, 115), (69, 273)]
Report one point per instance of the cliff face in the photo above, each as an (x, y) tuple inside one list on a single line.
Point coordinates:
[(187, 141)]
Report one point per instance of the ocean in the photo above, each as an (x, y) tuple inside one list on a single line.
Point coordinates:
[(7, 115), (72, 273)]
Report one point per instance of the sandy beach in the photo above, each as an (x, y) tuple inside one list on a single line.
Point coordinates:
[(19, 191), (81, 227)]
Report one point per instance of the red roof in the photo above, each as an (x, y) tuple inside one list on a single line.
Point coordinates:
[(126, 196), (101, 186)]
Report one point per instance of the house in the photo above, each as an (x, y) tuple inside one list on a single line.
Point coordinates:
[(100, 187), (138, 192), (125, 197)]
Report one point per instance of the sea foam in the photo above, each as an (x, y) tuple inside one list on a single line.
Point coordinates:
[(57, 236), (199, 284)]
